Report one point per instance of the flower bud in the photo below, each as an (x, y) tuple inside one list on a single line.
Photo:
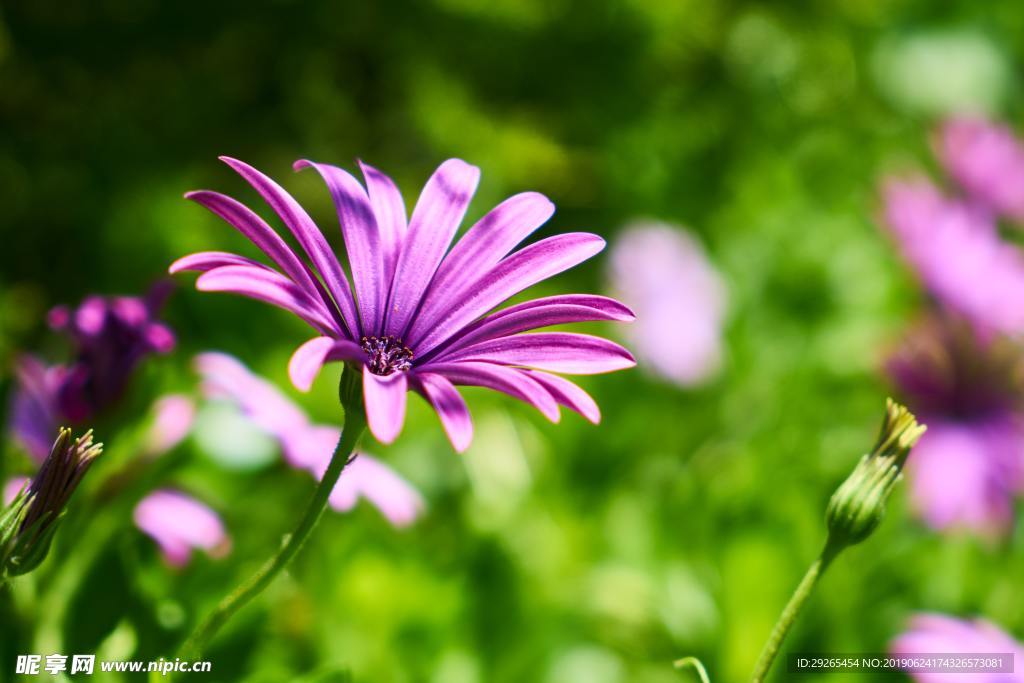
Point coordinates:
[(858, 505), (29, 523)]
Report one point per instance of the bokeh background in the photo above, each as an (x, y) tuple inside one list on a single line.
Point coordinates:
[(557, 554)]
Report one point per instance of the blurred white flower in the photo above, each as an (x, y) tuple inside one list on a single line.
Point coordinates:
[(662, 272)]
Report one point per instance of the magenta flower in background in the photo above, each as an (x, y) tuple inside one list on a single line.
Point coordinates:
[(941, 634), (968, 467), (957, 251), (110, 337), (308, 446), (35, 415), (987, 160), (417, 315), (180, 524), (12, 487), (662, 273), (173, 416)]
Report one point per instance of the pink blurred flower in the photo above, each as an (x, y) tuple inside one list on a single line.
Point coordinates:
[(173, 418), (940, 634), (663, 274), (12, 487), (308, 446), (35, 416), (968, 467), (987, 160), (180, 524), (956, 250)]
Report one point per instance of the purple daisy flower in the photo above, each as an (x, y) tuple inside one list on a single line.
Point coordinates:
[(179, 524), (969, 465), (309, 446), (957, 251), (417, 315), (941, 634), (987, 161)]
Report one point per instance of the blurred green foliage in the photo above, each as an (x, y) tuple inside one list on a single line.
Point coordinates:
[(557, 554)]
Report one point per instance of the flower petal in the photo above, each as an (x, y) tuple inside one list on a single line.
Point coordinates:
[(368, 477), (513, 274), (389, 208), (174, 415), (531, 315), (269, 286), (483, 245), (385, 399), (568, 394), (362, 242), (224, 376), (437, 215), (256, 230), (308, 235), (449, 405), (204, 261), (568, 352), (307, 360), (500, 378)]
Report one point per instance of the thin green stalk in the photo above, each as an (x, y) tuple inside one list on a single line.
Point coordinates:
[(697, 666), (792, 609), (355, 423)]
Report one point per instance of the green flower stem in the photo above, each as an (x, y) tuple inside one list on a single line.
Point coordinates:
[(697, 666), (355, 423), (792, 609)]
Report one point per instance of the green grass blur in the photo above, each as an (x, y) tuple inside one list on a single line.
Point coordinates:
[(555, 554)]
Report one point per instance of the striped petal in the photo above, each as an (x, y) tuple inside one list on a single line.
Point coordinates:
[(362, 242), (308, 359), (483, 245), (531, 315), (308, 235), (256, 230), (568, 352), (450, 407), (499, 378), (385, 399), (264, 284), (512, 275), (389, 208), (568, 394), (437, 215), (204, 261)]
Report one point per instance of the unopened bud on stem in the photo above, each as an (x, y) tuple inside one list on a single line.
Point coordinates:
[(858, 505), (27, 526)]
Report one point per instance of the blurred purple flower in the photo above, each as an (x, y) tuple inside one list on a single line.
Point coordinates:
[(179, 523), (940, 634), (987, 160), (12, 487), (173, 415), (308, 446), (663, 274), (969, 465), (956, 250), (34, 415), (417, 317), (110, 336)]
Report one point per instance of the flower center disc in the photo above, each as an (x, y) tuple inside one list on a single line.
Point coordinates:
[(386, 355)]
